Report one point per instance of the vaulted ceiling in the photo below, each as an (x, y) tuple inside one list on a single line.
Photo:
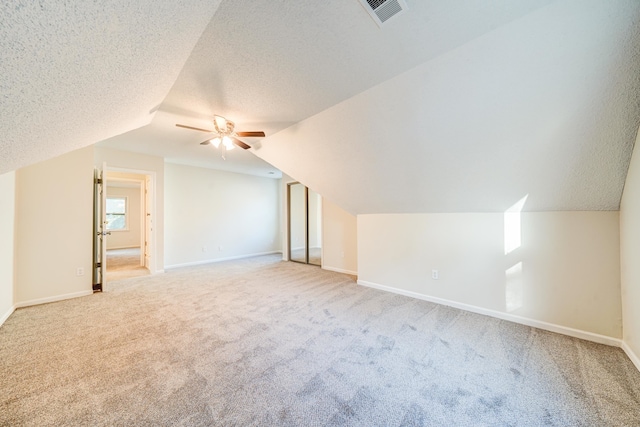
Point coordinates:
[(453, 106)]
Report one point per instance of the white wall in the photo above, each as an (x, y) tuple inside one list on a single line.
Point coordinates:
[(209, 209), (564, 270), (118, 160), (54, 228), (129, 238), (630, 256), (7, 253), (340, 239)]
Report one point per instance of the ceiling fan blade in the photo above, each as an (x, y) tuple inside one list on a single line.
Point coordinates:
[(192, 128), (207, 142), (240, 143), (258, 134)]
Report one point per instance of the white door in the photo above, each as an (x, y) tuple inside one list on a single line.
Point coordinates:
[(100, 229), (100, 232)]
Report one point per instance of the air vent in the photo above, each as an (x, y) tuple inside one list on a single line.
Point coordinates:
[(382, 10)]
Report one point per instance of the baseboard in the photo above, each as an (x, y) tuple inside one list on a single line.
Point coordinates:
[(7, 314), (209, 261), (339, 270), (632, 355), (576, 333), (53, 298), (123, 247)]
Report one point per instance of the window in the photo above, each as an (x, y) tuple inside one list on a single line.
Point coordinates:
[(116, 213)]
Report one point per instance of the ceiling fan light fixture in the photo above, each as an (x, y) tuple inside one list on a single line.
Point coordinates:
[(226, 138), (228, 144)]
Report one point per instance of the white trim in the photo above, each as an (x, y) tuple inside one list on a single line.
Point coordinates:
[(577, 333), (7, 314), (634, 357), (53, 299), (209, 261), (340, 270)]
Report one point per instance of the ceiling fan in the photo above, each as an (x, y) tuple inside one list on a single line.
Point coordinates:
[(227, 136)]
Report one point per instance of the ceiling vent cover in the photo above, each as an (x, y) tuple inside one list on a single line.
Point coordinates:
[(383, 10)]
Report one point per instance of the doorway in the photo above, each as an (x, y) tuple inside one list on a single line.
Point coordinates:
[(125, 221), (124, 233), (304, 213)]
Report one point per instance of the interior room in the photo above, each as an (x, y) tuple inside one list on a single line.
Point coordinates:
[(389, 212)]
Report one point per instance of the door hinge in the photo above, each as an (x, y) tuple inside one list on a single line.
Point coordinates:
[(98, 265), (97, 181)]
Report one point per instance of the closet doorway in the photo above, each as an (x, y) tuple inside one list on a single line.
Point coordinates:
[(304, 224)]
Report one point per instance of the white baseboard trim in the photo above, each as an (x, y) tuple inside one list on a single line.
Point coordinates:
[(576, 333), (53, 298), (7, 314), (632, 355), (209, 261), (339, 270)]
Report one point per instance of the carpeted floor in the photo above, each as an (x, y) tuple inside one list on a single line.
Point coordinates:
[(124, 264), (260, 342)]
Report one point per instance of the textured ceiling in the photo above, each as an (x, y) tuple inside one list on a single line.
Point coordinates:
[(453, 106), (74, 73), (280, 62)]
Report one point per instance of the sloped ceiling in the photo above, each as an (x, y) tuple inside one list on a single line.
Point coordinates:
[(453, 106), (543, 109), (75, 73)]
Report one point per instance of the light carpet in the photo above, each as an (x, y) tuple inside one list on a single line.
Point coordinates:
[(260, 342), (124, 264)]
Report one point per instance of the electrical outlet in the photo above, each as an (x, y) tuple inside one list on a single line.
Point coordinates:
[(434, 274), (80, 271)]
